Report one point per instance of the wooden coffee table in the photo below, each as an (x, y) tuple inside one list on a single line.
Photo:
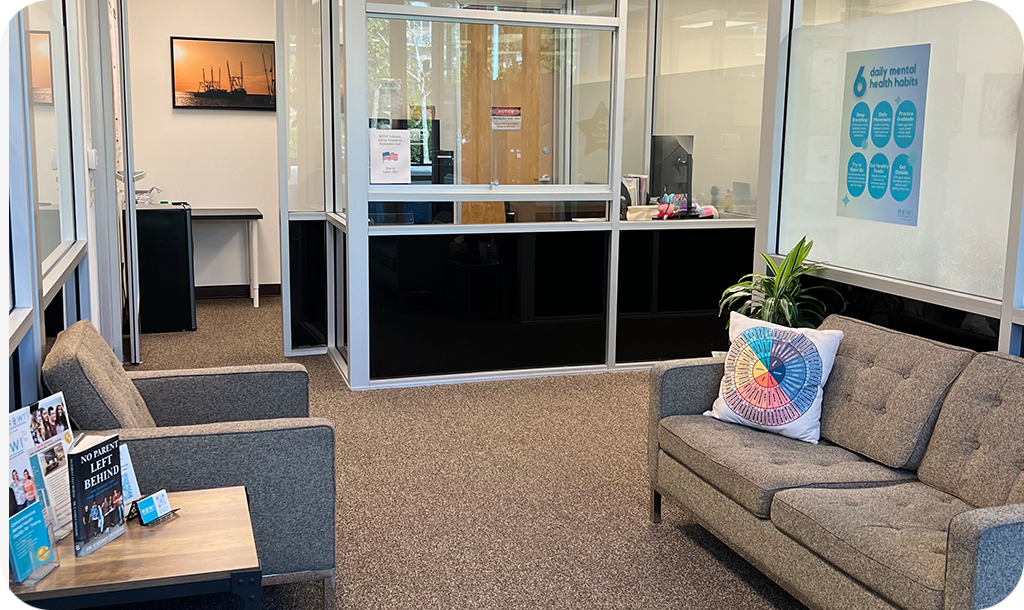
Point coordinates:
[(207, 548)]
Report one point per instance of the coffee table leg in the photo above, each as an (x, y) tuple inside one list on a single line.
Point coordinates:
[(246, 586)]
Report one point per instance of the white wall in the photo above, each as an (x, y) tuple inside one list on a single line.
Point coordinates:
[(209, 158)]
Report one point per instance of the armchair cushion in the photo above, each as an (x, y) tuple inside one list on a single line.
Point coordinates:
[(892, 539), (234, 393), (750, 466), (286, 466), (98, 391)]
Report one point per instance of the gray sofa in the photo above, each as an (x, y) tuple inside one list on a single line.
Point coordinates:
[(913, 499), (221, 427)]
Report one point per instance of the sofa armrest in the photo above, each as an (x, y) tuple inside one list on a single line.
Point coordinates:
[(679, 387), (985, 556), (233, 393), (286, 465)]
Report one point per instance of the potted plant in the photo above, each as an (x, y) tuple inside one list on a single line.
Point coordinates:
[(779, 296)]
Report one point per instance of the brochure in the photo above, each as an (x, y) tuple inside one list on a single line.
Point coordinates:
[(31, 550), (51, 436)]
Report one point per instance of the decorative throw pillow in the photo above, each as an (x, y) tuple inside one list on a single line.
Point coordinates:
[(774, 377)]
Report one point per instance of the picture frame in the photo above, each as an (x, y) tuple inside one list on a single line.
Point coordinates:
[(210, 74), (40, 67)]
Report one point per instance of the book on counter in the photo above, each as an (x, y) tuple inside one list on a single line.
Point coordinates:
[(97, 503)]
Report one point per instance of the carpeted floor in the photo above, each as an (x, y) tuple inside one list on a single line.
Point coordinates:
[(513, 494)]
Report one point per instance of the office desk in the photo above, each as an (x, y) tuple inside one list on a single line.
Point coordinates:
[(251, 216)]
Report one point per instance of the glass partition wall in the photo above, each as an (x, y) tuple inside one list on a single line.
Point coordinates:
[(502, 245), (493, 254), (475, 219)]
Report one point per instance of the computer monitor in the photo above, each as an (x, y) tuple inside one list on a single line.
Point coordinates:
[(671, 165)]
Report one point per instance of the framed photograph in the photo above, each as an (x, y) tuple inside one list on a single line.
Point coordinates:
[(223, 74), (39, 65)]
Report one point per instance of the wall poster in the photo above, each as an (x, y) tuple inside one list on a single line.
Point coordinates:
[(883, 129)]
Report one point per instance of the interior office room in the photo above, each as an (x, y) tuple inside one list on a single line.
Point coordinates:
[(516, 304)]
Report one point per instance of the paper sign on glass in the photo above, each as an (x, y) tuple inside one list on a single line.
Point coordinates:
[(504, 118), (882, 135), (390, 156)]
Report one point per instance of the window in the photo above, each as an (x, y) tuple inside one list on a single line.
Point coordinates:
[(494, 103), (951, 231), (708, 92), (51, 130)]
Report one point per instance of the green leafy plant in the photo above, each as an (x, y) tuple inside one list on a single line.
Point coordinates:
[(779, 296)]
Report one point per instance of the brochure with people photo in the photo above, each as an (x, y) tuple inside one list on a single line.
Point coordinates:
[(50, 430), (30, 546)]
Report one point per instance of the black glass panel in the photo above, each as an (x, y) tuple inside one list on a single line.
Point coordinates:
[(915, 317), (444, 304), (669, 285), (307, 248)]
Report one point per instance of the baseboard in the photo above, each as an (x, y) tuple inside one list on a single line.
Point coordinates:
[(236, 290)]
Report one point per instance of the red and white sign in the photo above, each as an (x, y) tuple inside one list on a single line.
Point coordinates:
[(504, 118)]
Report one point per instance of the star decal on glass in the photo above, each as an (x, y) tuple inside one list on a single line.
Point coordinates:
[(595, 130)]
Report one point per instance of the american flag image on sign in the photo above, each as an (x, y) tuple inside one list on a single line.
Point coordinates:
[(389, 156)]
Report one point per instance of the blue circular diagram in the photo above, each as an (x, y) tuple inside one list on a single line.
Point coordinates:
[(881, 124), (771, 375), (878, 176), (906, 124), (860, 120), (856, 174)]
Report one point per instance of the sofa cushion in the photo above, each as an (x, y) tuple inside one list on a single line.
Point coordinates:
[(885, 390), (977, 450), (892, 539), (99, 393), (750, 466)]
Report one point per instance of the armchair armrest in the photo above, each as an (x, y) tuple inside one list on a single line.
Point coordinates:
[(985, 556), (679, 387), (286, 466), (233, 393)]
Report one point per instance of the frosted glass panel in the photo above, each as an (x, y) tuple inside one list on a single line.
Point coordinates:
[(969, 132), (304, 98), (635, 104), (709, 86)]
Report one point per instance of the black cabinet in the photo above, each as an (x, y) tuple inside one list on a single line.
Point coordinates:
[(167, 300)]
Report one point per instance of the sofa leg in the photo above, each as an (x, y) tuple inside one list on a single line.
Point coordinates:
[(655, 506), (329, 592)]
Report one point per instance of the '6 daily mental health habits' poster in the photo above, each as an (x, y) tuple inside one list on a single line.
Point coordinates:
[(883, 127)]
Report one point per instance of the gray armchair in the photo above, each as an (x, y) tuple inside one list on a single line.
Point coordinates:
[(201, 429)]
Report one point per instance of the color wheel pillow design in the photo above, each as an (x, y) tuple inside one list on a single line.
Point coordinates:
[(774, 377)]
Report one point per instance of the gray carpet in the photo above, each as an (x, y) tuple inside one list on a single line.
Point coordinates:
[(512, 494)]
